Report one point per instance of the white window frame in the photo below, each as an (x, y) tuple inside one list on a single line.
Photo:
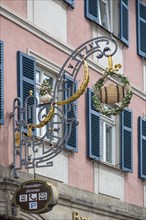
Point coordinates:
[(107, 8), (43, 75), (112, 15), (110, 122), (49, 68), (46, 22), (144, 76), (115, 17)]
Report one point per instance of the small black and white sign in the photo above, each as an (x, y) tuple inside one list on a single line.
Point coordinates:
[(33, 197), (23, 198), (43, 196)]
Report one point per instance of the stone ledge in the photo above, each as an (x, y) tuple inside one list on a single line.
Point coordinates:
[(73, 198)]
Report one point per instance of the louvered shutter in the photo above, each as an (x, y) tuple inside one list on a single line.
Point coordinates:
[(141, 28), (26, 69), (1, 83), (126, 141), (142, 147), (124, 21), (93, 128), (71, 114), (91, 10), (71, 2)]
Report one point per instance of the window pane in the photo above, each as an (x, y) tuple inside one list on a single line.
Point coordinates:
[(101, 141), (116, 17), (104, 14), (45, 131), (144, 75), (38, 76), (108, 144)]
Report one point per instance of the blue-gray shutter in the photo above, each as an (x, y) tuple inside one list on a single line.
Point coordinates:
[(141, 28), (142, 147), (1, 82), (93, 128), (71, 114), (91, 10), (26, 76), (71, 2), (127, 140), (124, 21)]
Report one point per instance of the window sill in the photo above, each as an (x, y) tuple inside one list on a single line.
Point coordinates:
[(108, 166), (109, 34)]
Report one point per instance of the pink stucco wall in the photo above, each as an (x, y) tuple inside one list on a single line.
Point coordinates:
[(79, 28), (19, 7), (133, 62), (80, 167), (134, 187), (14, 43)]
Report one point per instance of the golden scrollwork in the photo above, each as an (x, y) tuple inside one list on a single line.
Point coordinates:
[(42, 123), (75, 96), (17, 138), (81, 89)]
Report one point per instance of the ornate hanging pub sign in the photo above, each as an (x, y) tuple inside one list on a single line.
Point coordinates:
[(29, 116), (36, 196)]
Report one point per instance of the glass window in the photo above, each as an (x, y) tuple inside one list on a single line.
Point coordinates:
[(107, 144), (115, 17), (144, 75), (104, 14), (109, 15), (40, 76)]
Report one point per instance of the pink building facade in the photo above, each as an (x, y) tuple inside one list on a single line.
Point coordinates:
[(101, 173)]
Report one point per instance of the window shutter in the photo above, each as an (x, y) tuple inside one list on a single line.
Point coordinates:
[(91, 10), (141, 29), (26, 70), (71, 114), (1, 83), (126, 141), (124, 21), (93, 128), (71, 2), (142, 147)]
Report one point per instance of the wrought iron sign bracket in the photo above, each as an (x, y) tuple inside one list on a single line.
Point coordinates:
[(30, 150)]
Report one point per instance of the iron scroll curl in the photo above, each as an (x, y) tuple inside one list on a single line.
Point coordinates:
[(72, 66), (100, 46)]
